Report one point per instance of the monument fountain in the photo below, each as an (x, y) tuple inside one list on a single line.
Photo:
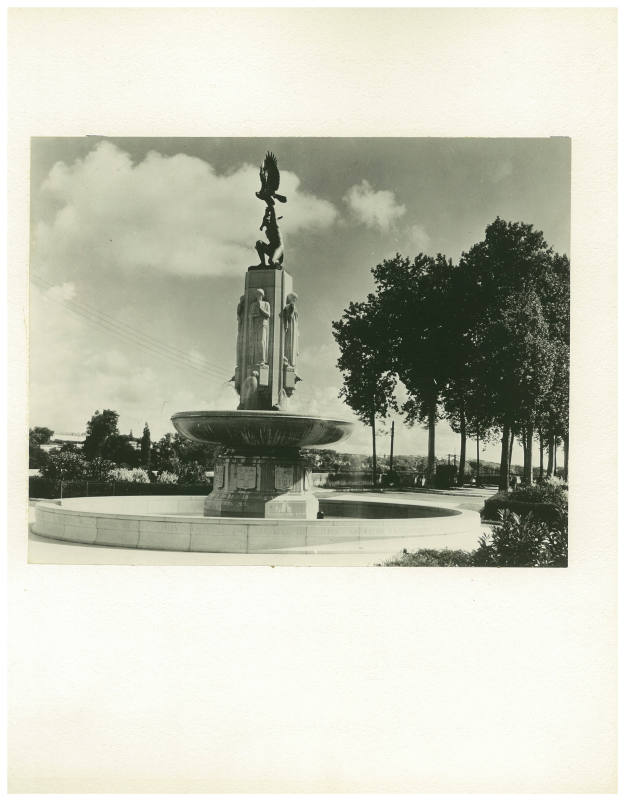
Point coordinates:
[(262, 471), (262, 499)]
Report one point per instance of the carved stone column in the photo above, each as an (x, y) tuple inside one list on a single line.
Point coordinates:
[(275, 374)]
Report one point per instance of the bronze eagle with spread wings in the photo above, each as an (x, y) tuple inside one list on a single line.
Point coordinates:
[(270, 181)]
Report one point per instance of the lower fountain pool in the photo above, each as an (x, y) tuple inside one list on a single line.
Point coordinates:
[(176, 522)]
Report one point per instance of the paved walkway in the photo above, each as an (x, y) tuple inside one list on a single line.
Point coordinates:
[(49, 551)]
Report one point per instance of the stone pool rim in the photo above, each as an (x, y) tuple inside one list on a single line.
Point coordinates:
[(76, 520)]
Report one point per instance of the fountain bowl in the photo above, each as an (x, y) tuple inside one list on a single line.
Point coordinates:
[(260, 429)]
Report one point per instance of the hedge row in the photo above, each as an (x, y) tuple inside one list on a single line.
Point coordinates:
[(39, 487), (542, 512)]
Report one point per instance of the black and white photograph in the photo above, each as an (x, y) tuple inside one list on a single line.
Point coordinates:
[(301, 351), (297, 296)]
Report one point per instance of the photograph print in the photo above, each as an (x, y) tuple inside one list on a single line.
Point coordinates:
[(299, 351)]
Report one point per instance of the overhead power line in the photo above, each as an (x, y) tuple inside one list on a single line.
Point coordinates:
[(131, 335), (176, 351)]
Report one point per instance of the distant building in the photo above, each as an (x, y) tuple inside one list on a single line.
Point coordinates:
[(59, 439)]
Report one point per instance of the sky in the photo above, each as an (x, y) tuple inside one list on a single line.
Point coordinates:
[(139, 249)]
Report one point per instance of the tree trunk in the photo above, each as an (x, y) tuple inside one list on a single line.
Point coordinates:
[(528, 455), (555, 456), (541, 440), (431, 459), (462, 449), (478, 478), (551, 453), (503, 480), (374, 451), (511, 444), (566, 448)]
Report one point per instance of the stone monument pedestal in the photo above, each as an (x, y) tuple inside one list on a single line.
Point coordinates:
[(263, 472), (250, 484)]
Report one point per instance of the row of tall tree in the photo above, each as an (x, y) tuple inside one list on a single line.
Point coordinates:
[(483, 343)]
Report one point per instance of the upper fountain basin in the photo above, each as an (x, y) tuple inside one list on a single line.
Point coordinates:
[(240, 429)]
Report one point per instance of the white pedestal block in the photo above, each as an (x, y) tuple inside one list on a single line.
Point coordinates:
[(271, 486)]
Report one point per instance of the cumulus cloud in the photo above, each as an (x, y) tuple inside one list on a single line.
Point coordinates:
[(74, 371), (375, 209), (171, 213)]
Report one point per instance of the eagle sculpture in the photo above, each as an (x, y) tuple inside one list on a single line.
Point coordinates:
[(270, 181)]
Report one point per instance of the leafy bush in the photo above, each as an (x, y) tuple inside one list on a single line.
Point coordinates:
[(37, 457), (63, 466), (136, 475), (432, 558), (547, 503), (167, 477), (193, 472), (40, 488), (549, 491), (522, 541), (515, 541), (98, 469)]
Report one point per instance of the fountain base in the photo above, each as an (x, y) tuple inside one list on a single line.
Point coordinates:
[(248, 484)]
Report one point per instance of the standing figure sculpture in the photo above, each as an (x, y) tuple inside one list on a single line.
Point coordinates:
[(260, 314), (240, 318), (249, 392), (273, 251), (290, 315)]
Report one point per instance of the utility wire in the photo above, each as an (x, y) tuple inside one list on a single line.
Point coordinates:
[(133, 336), (175, 351)]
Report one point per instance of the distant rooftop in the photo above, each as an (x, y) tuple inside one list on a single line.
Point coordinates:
[(68, 437)]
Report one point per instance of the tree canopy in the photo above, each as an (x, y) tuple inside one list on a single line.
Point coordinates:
[(100, 428), (484, 343)]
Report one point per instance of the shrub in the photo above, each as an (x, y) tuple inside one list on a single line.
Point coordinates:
[(136, 475), (192, 472), (37, 457), (546, 503), (517, 540), (523, 541), (39, 487), (432, 558), (99, 469), (65, 466), (550, 491), (167, 477)]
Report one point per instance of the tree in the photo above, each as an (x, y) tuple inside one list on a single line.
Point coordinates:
[(325, 460), (368, 382), (99, 428), (38, 436), (64, 466), (146, 447), (510, 274), (519, 373), (413, 300), (187, 459), (553, 423), (37, 457), (164, 456), (118, 448)]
